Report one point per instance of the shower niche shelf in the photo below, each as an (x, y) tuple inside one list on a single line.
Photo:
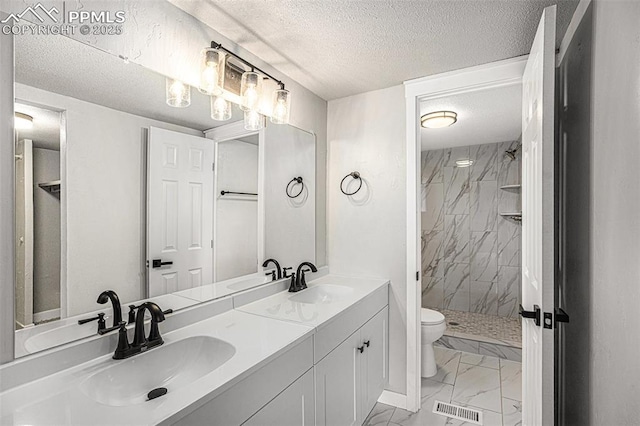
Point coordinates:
[(517, 216), (52, 187), (516, 186)]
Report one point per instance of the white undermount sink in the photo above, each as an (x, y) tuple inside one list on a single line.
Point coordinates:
[(172, 366), (323, 293)]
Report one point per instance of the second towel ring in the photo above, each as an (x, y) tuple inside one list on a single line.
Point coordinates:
[(290, 187), (355, 175)]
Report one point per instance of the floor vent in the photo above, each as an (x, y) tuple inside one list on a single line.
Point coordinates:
[(457, 412)]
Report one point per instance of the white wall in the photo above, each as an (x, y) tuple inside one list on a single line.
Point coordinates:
[(105, 198), (615, 234), (7, 196), (366, 233), (290, 231), (236, 231)]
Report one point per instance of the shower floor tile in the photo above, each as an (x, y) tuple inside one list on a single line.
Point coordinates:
[(483, 328)]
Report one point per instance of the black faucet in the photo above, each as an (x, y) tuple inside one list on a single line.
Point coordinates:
[(141, 343), (275, 262), (298, 281), (115, 302)]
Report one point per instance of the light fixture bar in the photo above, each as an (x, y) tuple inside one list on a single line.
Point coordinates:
[(215, 45)]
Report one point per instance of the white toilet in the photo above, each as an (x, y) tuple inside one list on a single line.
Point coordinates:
[(432, 328)]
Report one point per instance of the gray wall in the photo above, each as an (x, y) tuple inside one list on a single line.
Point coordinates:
[(602, 286), (46, 232), (471, 254)]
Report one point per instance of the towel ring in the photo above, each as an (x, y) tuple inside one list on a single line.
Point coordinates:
[(290, 187), (355, 175)]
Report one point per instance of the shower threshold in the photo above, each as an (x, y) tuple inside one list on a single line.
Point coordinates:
[(483, 328)]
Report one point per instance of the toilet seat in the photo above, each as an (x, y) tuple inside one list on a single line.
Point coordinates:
[(431, 317)]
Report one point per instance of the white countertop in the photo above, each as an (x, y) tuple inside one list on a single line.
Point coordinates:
[(259, 331), (58, 399), (281, 307)]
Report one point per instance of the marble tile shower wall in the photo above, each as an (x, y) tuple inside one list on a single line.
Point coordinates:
[(471, 254)]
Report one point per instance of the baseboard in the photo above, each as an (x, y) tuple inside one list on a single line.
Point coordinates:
[(393, 398)]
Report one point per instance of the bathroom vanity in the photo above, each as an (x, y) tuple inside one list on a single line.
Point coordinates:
[(318, 356)]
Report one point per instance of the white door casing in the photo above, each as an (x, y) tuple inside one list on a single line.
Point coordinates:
[(179, 211), (538, 223)]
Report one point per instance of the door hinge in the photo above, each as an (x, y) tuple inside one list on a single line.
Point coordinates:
[(213, 167), (417, 275), (211, 243)]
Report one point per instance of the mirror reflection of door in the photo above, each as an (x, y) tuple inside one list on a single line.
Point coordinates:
[(38, 230), (179, 211)]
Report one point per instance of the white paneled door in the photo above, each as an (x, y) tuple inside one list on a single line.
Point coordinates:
[(179, 211), (538, 226)]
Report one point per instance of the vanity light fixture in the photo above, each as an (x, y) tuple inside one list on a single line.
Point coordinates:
[(438, 119), (23, 121), (212, 69), (178, 93), (220, 108), (251, 89), (464, 163), (253, 120), (281, 107)]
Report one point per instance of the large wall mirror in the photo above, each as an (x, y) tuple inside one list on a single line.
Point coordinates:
[(116, 190)]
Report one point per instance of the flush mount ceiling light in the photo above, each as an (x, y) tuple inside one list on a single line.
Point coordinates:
[(438, 119), (23, 121), (464, 163)]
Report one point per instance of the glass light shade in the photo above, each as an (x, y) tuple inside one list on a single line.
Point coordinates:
[(220, 108), (178, 93), (250, 91), (438, 119), (253, 120), (23, 121), (281, 107), (212, 63)]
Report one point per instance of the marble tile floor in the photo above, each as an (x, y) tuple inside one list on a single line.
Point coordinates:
[(483, 328), (489, 384)]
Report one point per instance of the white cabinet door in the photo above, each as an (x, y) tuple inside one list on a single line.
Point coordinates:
[(373, 360), (293, 407), (337, 377), (179, 211)]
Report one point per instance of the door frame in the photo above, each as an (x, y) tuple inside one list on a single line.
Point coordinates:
[(229, 132), (493, 75)]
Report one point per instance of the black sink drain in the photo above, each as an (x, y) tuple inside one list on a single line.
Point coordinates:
[(156, 393)]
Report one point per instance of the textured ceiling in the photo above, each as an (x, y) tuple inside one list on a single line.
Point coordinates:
[(485, 116), (338, 48), (46, 127), (65, 66)]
